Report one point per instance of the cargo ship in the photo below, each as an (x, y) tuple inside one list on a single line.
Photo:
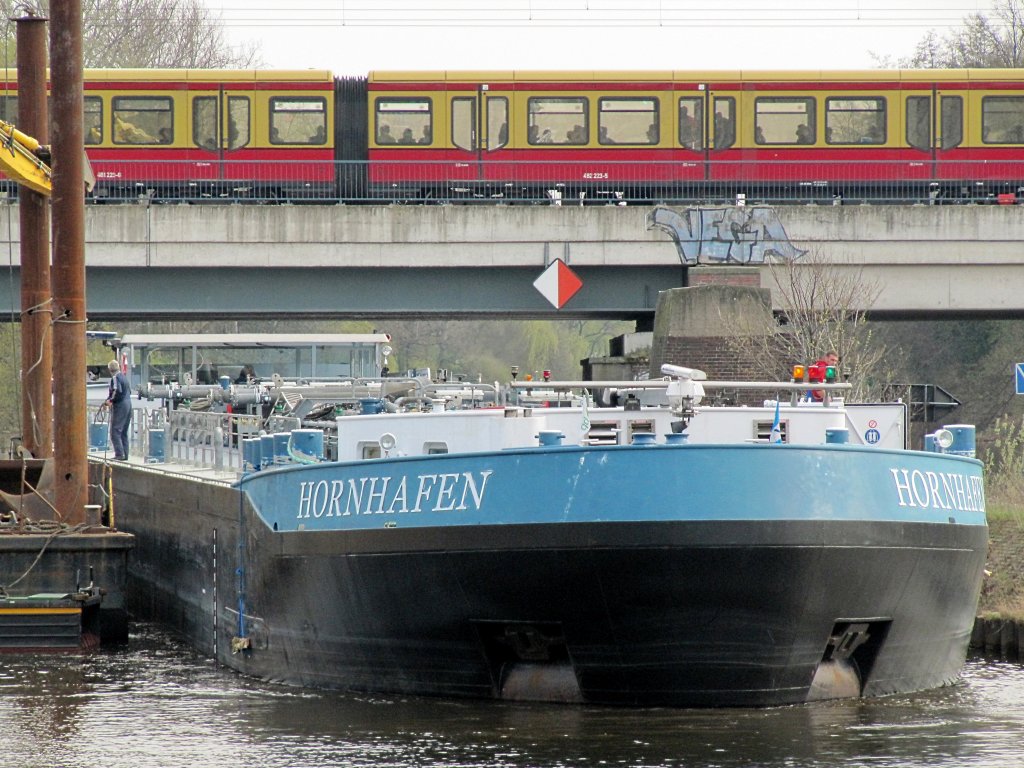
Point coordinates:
[(401, 535)]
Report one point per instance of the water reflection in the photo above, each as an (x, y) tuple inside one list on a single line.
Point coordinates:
[(154, 703)]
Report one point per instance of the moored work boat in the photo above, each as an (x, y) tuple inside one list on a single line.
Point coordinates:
[(660, 551)]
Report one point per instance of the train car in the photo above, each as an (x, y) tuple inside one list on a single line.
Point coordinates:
[(202, 134), (697, 135), (879, 135), (207, 134)]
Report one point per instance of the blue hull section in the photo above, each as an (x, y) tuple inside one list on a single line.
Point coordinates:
[(622, 484)]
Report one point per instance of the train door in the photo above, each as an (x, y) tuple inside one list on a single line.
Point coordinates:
[(221, 129), (720, 160), (479, 128), (935, 134), (690, 156)]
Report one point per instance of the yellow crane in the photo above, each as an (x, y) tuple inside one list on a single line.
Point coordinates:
[(24, 160)]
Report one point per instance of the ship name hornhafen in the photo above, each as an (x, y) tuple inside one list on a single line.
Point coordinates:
[(443, 492), (939, 490)]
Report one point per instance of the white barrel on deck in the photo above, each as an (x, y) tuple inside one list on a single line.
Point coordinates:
[(308, 444), (963, 440)]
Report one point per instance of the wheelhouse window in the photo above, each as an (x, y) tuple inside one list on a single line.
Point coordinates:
[(93, 111), (403, 121), (627, 121), (855, 121), (784, 121), (143, 120), (691, 122), (919, 122), (952, 121), (725, 122), (557, 121), (1002, 120), (298, 120)]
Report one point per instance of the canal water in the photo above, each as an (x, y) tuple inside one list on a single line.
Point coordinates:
[(156, 703)]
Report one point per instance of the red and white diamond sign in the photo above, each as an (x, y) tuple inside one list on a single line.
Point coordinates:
[(558, 283)]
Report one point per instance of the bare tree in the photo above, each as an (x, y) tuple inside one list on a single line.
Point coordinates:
[(825, 310), (983, 41), (147, 33)]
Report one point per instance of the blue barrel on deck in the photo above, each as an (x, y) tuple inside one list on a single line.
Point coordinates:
[(837, 436), (371, 405), (155, 452), (281, 447), (251, 454), (963, 440), (266, 451), (550, 437), (225, 382), (99, 435), (308, 444)]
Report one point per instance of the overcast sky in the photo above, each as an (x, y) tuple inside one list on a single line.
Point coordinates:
[(356, 36)]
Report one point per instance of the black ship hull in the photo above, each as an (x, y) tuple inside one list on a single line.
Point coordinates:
[(679, 613)]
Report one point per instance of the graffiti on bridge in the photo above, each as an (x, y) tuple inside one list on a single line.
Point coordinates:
[(725, 235)]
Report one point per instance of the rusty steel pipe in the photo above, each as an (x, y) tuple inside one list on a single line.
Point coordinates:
[(68, 227), (34, 220)]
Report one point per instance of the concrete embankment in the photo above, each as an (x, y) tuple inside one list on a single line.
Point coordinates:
[(999, 628)]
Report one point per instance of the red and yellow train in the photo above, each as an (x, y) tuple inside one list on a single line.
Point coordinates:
[(209, 134)]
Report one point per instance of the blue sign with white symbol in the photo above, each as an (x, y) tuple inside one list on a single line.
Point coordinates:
[(872, 436), (1020, 378)]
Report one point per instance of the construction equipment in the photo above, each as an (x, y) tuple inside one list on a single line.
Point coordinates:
[(24, 160)]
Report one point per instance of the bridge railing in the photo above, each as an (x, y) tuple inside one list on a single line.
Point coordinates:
[(563, 182)]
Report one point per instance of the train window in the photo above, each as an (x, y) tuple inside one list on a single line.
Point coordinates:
[(691, 122), (297, 120), (93, 108), (725, 122), (558, 120), (205, 122), (9, 109), (403, 121), (952, 121), (627, 121), (782, 120), (919, 122), (497, 122), (1002, 120), (143, 120), (238, 122), (855, 121), (464, 123)]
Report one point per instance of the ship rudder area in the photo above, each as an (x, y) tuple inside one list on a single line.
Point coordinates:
[(849, 655), (529, 661)]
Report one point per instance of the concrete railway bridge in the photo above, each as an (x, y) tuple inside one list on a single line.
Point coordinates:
[(153, 262)]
